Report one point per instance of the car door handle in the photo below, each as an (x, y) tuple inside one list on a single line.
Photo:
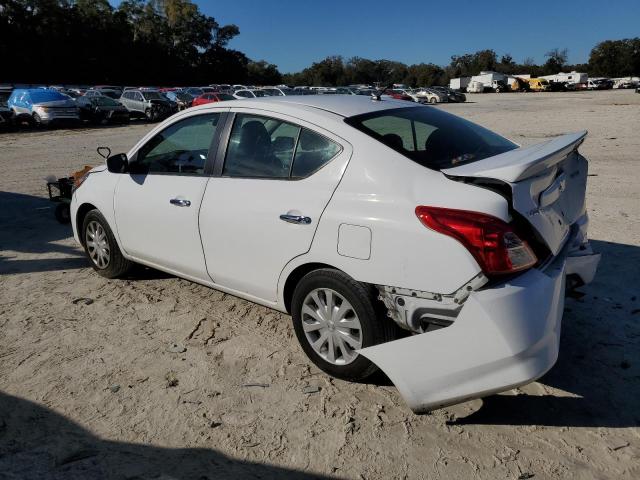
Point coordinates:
[(295, 219), (180, 202)]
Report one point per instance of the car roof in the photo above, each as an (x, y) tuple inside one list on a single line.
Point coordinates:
[(343, 105)]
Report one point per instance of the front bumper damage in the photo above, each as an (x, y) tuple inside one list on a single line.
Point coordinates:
[(501, 337)]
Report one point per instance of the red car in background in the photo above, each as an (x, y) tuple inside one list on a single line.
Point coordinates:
[(397, 95), (211, 97)]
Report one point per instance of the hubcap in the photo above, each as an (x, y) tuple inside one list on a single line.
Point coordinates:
[(331, 326), (98, 245)]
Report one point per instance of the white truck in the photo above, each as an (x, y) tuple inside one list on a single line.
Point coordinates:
[(459, 84), (494, 81)]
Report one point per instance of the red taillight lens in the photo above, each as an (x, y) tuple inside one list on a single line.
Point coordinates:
[(492, 242)]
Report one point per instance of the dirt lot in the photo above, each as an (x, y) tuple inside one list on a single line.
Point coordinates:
[(91, 391)]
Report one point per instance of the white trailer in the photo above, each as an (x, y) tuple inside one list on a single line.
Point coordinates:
[(571, 77), (459, 83)]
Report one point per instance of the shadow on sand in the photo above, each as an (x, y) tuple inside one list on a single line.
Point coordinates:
[(37, 443)]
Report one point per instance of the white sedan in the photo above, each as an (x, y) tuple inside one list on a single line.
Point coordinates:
[(397, 236)]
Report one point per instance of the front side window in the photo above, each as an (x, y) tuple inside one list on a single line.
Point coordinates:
[(430, 137), (263, 147), (181, 148)]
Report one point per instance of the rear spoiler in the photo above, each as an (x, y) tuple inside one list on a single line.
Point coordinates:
[(523, 162)]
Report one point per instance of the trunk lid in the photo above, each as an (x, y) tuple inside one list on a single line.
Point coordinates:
[(547, 180)]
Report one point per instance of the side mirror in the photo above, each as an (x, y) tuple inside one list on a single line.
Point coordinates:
[(118, 163)]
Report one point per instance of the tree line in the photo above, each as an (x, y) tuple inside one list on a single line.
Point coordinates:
[(611, 58), (141, 42), (171, 42)]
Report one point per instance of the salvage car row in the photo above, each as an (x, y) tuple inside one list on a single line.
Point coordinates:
[(102, 104)]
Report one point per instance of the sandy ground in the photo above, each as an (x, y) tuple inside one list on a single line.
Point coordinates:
[(91, 391)]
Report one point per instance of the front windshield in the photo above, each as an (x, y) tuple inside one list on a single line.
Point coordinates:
[(259, 93), (38, 96), (153, 96), (273, 92), (431, 137)]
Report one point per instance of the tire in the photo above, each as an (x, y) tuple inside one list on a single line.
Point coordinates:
[(433, 100), (115, 265), (37, 121), (311, 295), (63, 213), (151, 115)]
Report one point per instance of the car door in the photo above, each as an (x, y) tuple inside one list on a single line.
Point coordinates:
[(156, 204), (138, 102), (263, 204)]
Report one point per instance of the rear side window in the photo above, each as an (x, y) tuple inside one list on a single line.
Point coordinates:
[(180, 149), (431, 137), (312, 153), (260, 147)]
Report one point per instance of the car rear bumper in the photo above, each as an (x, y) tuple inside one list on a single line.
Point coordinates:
[(505, 336)]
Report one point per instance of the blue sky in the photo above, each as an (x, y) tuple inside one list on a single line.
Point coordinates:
[(293, 34)]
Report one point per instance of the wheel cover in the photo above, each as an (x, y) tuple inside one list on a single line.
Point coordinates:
[(98, 244), (331, 326)]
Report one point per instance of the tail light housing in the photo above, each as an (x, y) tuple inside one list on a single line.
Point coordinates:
[(493, 243)]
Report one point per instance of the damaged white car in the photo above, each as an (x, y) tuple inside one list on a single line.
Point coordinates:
[(397, 236)]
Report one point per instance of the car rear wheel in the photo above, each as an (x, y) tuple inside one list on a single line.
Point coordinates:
[(101, 247), (333, 317)]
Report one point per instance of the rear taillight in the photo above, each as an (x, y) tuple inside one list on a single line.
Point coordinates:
[(492, 242)]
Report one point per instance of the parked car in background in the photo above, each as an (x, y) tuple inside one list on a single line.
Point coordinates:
[(194, 91), (41, 107), (346, 91), (452, 95), (149, 104), (6, 114), (240, 94), (426, 95), (180, 98), (212, 98), (278, 91), (467, 248), (538, 84), (397, 94), (108, 92), (102, 110)]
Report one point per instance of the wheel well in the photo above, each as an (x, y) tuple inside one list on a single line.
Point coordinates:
[(82, 212), (295, 276)]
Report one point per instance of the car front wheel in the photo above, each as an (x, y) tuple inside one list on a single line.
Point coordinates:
[(334, 316), (101, 247)]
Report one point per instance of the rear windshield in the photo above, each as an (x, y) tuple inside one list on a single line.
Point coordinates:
[(431, 137)]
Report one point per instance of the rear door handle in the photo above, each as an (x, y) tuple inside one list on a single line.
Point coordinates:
[(295, 219), (180, 202)]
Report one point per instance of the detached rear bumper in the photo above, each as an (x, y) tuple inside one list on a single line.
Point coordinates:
[(505, 336)]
